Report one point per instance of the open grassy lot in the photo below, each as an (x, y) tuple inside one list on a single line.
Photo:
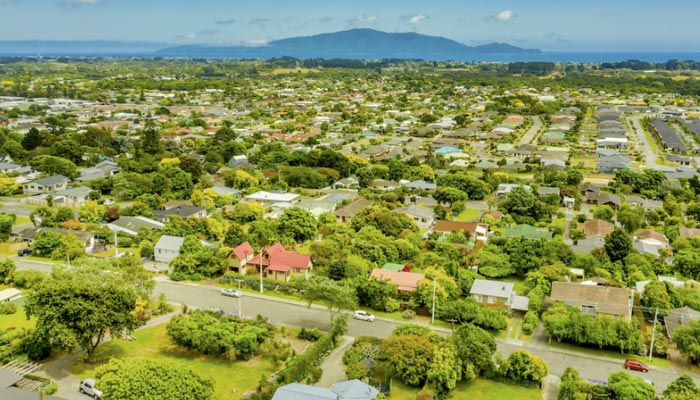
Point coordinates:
[(476, 389), (232, 378), (468, 214), (17, 320)]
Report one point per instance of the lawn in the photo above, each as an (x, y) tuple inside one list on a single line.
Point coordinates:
[(468, 214), (17, 320), (476, 389), (232, 379)]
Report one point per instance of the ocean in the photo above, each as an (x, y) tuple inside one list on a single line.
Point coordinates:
[(589, 57)]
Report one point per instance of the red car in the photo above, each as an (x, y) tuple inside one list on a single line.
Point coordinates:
[(636, 365)]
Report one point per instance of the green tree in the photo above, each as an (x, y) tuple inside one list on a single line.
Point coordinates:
[(687, 340), (409, 357), (475, 347), (626, 387), (682, 388), (150, 138), (570, 383), (6, 223), (449, 195), (297, 224), (143, 379), (234, 235), (337, 296), (523, 367), (75, 309), (197, 260), (7, 269), (604, 212), (446, 369), (51, 165), (618, 245)]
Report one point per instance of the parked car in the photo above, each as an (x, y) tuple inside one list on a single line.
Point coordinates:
[(636, 365), (87, 386), (231, 293), (24, 252), (363, 316), (109, 202)]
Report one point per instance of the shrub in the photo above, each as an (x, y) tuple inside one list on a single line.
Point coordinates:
[(311, 335), (51, 388), (391, 304), (408, 314), (530, 322), (27, 279), (8, 307)]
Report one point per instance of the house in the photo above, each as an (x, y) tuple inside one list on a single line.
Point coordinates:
[(585, 246), (8, 168), (395, 267), (422, 216), (269, 198), (183, 212), (407, 282), (597, 228), (28, 235), (688, 232), (594, 300), (421, 185), (167, 248), (545, 191), (238, 161), (345, 390), (347, 183), (73, 196), (498, 294), (48, 185), (505, 188), (527, 232), (651, 237), (679, 317), (383, 184), (222, 190), (470, 229), (278, 260), (346, 213), (131, 225), (240, 256)]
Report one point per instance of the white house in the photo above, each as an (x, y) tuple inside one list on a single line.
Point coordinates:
[(167, 248)]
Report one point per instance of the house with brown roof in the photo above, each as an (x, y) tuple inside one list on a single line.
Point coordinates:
[(651, 237), (240, 256), (346, 213), (594, 300), (470, 229), (495, 214), (407, 282), (280, 263), (688, 233), (597, 228)]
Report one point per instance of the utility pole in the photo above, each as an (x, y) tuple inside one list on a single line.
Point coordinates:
[(653, 334), (262, 250), (240, 310), (432, 318)]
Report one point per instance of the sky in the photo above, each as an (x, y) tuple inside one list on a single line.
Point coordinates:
[(550, 25)]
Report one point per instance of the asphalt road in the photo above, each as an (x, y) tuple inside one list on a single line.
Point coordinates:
[(530, 134), (288, 313), (649, 155)]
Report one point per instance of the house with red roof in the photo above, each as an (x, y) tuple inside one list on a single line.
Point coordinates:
[(240, 256), (280, 263)]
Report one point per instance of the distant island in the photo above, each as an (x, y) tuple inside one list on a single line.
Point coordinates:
[(367, 44)]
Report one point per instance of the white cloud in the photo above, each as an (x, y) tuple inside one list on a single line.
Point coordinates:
[(417, 19), (362, 20), (256, 42), (505, 15)]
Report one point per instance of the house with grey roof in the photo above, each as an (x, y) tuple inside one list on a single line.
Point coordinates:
[(421, 185), (423, 217), (222, 190), (498, 295), (346, 390), (167, 248), (8, 168), (48, 185), (183, 212), (238, 161), (72, 197), (131, 225), (679, 317)]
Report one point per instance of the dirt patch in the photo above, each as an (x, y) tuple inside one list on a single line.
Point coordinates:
[(298, 346)]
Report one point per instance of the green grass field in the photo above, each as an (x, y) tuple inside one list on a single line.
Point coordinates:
[(468, 214), (476, 389), (232, 378), (17, 320)]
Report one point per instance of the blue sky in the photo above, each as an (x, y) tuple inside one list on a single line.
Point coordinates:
[(551, 25)]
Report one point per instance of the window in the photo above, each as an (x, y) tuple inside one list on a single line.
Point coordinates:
[(479, 298), (588, 309), (491, 300)]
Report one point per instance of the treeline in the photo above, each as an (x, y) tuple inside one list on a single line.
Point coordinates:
[(636, 65), (531, 67)]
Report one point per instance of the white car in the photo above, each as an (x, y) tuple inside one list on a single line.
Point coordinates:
[(231, 293), (87, 386), (109, 202), (363, 316)]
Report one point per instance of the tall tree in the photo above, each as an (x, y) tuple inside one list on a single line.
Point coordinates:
[(75, 309), (618, 244), (337, 295)]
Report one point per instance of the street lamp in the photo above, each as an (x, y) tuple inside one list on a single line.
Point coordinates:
[(240, 310)]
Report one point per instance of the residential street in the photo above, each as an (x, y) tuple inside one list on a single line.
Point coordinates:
[(530, 134), (649, 155), (296, 314)]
